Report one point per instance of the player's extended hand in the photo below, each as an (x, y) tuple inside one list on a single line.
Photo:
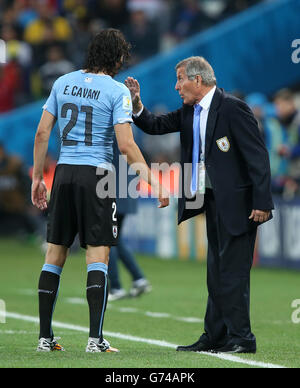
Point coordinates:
[(135, 91), (260, 215), (39, 194)]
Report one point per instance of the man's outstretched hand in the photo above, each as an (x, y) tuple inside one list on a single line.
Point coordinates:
[(135, 91)]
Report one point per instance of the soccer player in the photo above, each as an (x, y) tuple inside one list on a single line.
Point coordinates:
[(90, 107)]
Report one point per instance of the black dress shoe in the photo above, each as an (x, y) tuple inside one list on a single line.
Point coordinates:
[(196, 347), (233, 349)]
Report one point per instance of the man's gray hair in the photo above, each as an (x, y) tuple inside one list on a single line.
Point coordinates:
[(198, 66)]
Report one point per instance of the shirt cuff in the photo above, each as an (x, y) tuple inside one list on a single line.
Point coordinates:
[(139, 113)]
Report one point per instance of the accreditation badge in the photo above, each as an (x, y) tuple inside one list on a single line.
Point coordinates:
[(201, 177), (223, 144)]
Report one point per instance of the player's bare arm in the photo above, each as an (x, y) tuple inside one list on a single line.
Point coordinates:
[(39, 190), (128, 147)]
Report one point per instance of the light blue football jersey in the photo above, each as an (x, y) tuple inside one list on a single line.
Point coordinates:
[(87, 106)]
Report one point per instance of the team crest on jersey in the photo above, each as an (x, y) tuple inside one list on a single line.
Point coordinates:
[(115, 231), (223, 144), (126, 102)]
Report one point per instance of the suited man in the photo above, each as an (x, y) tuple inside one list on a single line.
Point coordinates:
[(228, 178)]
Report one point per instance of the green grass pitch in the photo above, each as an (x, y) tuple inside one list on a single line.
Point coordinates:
[(145, 329)]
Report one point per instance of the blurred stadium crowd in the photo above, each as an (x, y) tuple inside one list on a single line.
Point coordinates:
[(48, 38)]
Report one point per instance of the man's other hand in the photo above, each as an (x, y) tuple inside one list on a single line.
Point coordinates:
[(260, 215)]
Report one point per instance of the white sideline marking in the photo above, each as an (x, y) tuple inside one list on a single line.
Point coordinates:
[(22, 332), (130, 310), (14, 332), (82, 301), (151, 314), (127, 310), (157, 315), (127, 337), (76, 301), (232, 358)]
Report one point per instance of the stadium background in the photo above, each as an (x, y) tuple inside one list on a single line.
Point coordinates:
[(254, 49)]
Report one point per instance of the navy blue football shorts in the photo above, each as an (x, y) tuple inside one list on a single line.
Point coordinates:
[(77, 208)]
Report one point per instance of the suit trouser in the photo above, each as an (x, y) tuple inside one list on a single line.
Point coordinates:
[(229, 262)]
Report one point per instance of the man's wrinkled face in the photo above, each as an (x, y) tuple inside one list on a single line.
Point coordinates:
[(186, 88)]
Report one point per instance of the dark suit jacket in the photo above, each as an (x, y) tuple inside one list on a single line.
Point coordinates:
[(240, 176)]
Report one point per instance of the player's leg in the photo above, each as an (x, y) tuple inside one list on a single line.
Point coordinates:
[(97, 233), (96, 292), (48, 288), (61, 231), (96, 289)]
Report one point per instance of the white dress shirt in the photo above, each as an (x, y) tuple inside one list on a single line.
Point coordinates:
[(205, 104)]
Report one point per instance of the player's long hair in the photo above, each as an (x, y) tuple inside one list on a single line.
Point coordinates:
[(107, 52)]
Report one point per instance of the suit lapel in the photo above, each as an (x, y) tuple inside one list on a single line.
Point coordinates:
[(211, 119)]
